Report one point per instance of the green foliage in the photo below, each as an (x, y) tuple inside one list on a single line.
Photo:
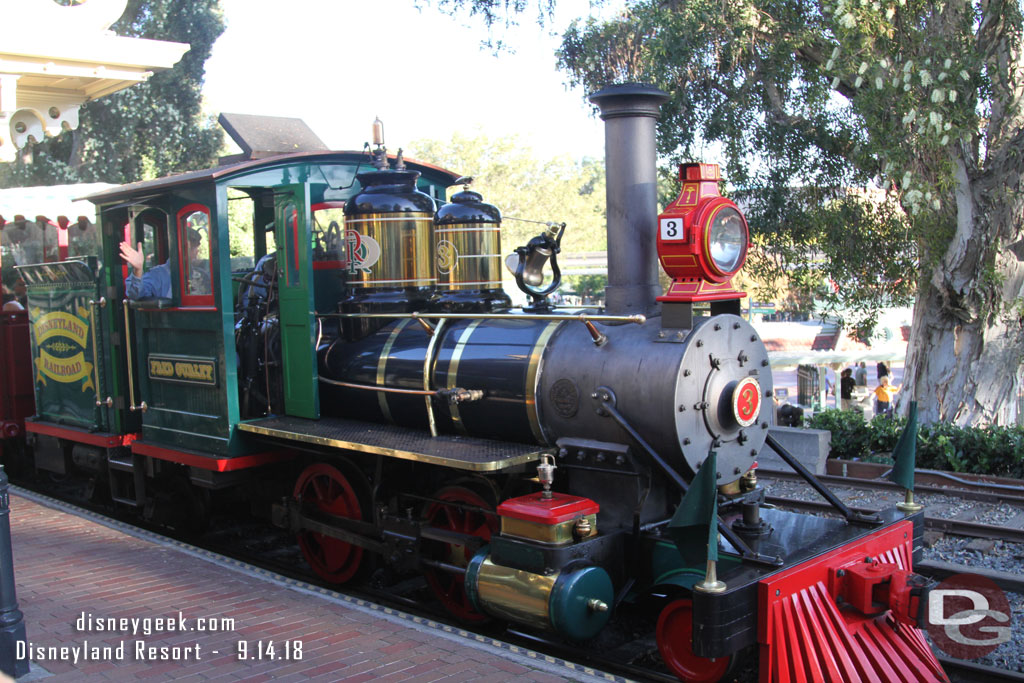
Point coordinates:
[(588, 287), (978, 450), (148, 130), (851, 436), (885, 432), (940, 445), (875, 143), (846, 126), (495, 13), (508, 175), (783, 89)]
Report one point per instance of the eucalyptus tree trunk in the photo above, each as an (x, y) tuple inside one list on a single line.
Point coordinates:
[(967, 339)]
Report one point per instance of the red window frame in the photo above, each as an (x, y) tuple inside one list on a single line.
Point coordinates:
[(332, 204), (193, 299)]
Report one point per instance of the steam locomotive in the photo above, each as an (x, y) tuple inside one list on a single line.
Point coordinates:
[(367, 385)]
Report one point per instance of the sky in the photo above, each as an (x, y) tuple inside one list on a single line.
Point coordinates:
[(337, 64)]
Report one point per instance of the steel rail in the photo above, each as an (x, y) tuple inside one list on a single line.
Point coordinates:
[(950, 526), (977, 494), (1007, 581), (972, 671)]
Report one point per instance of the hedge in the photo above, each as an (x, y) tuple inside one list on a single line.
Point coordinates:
[(940, 445)]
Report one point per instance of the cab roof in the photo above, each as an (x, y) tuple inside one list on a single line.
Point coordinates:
[(218, 173)]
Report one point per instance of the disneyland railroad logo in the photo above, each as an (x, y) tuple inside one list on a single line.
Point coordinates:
[(362, 252), (59, 335), (968, 616)]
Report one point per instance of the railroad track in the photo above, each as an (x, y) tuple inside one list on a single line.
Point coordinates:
[(981, 492), (963, 670), (936, 569), (948, 526)]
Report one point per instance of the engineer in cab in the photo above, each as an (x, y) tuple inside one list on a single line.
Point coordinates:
[(156, 282)]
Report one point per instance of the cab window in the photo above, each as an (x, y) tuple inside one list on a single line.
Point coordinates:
[(194, 250), (328, 235), (151, 230), (240, 231)]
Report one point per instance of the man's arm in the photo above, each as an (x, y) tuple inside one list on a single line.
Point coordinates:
[(155, 283)]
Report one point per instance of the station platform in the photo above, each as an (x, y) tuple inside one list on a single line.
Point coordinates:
[(131, 605)]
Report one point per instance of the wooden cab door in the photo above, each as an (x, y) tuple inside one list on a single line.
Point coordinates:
[(295, 263)]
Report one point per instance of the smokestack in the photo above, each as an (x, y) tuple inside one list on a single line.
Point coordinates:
[(630, 112)]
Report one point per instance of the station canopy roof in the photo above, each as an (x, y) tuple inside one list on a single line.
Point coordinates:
[(50, 201)]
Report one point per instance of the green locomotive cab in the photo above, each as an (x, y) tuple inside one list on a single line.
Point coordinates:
[(237, 260)]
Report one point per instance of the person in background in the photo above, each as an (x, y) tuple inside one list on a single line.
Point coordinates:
[(882, 369), (10, 301), (156, 282), (861, 375), (21, 292), (883, 395), (846, 384)]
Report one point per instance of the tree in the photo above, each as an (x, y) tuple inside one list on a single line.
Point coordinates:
[(148, 130), (820, 107), (526, 188)]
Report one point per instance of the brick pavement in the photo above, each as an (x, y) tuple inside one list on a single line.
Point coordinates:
[(67, 565)]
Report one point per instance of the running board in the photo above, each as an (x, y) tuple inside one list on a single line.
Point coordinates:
[(458, 452)]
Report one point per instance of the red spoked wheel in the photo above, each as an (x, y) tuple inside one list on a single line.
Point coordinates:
[(456, 513), (324, 488), (675, 642)]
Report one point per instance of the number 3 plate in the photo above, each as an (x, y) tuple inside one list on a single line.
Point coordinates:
[(671, 229)]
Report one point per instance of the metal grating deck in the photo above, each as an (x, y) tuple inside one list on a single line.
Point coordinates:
[(459, 452)]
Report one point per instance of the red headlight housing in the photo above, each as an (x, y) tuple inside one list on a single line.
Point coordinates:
[(702, 239)]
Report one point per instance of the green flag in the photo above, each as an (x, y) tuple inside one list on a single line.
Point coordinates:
[(905, 453), (694, 526)]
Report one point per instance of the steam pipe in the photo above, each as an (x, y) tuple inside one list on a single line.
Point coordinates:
[(630, 112)]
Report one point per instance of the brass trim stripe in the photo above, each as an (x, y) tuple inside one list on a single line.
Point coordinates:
[(189, 413), (467, 229), (492, 466), (453, 370), (532, 379), (382, 362), (419, 281), (462, 256), (428, 371), (411, 217), (492, 283)]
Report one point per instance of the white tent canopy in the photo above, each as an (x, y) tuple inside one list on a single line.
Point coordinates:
[(50, 201)]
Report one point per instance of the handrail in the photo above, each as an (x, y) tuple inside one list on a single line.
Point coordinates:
[(131, 366), (95, 354), (637, 319), (588, 319), (428, 357)]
